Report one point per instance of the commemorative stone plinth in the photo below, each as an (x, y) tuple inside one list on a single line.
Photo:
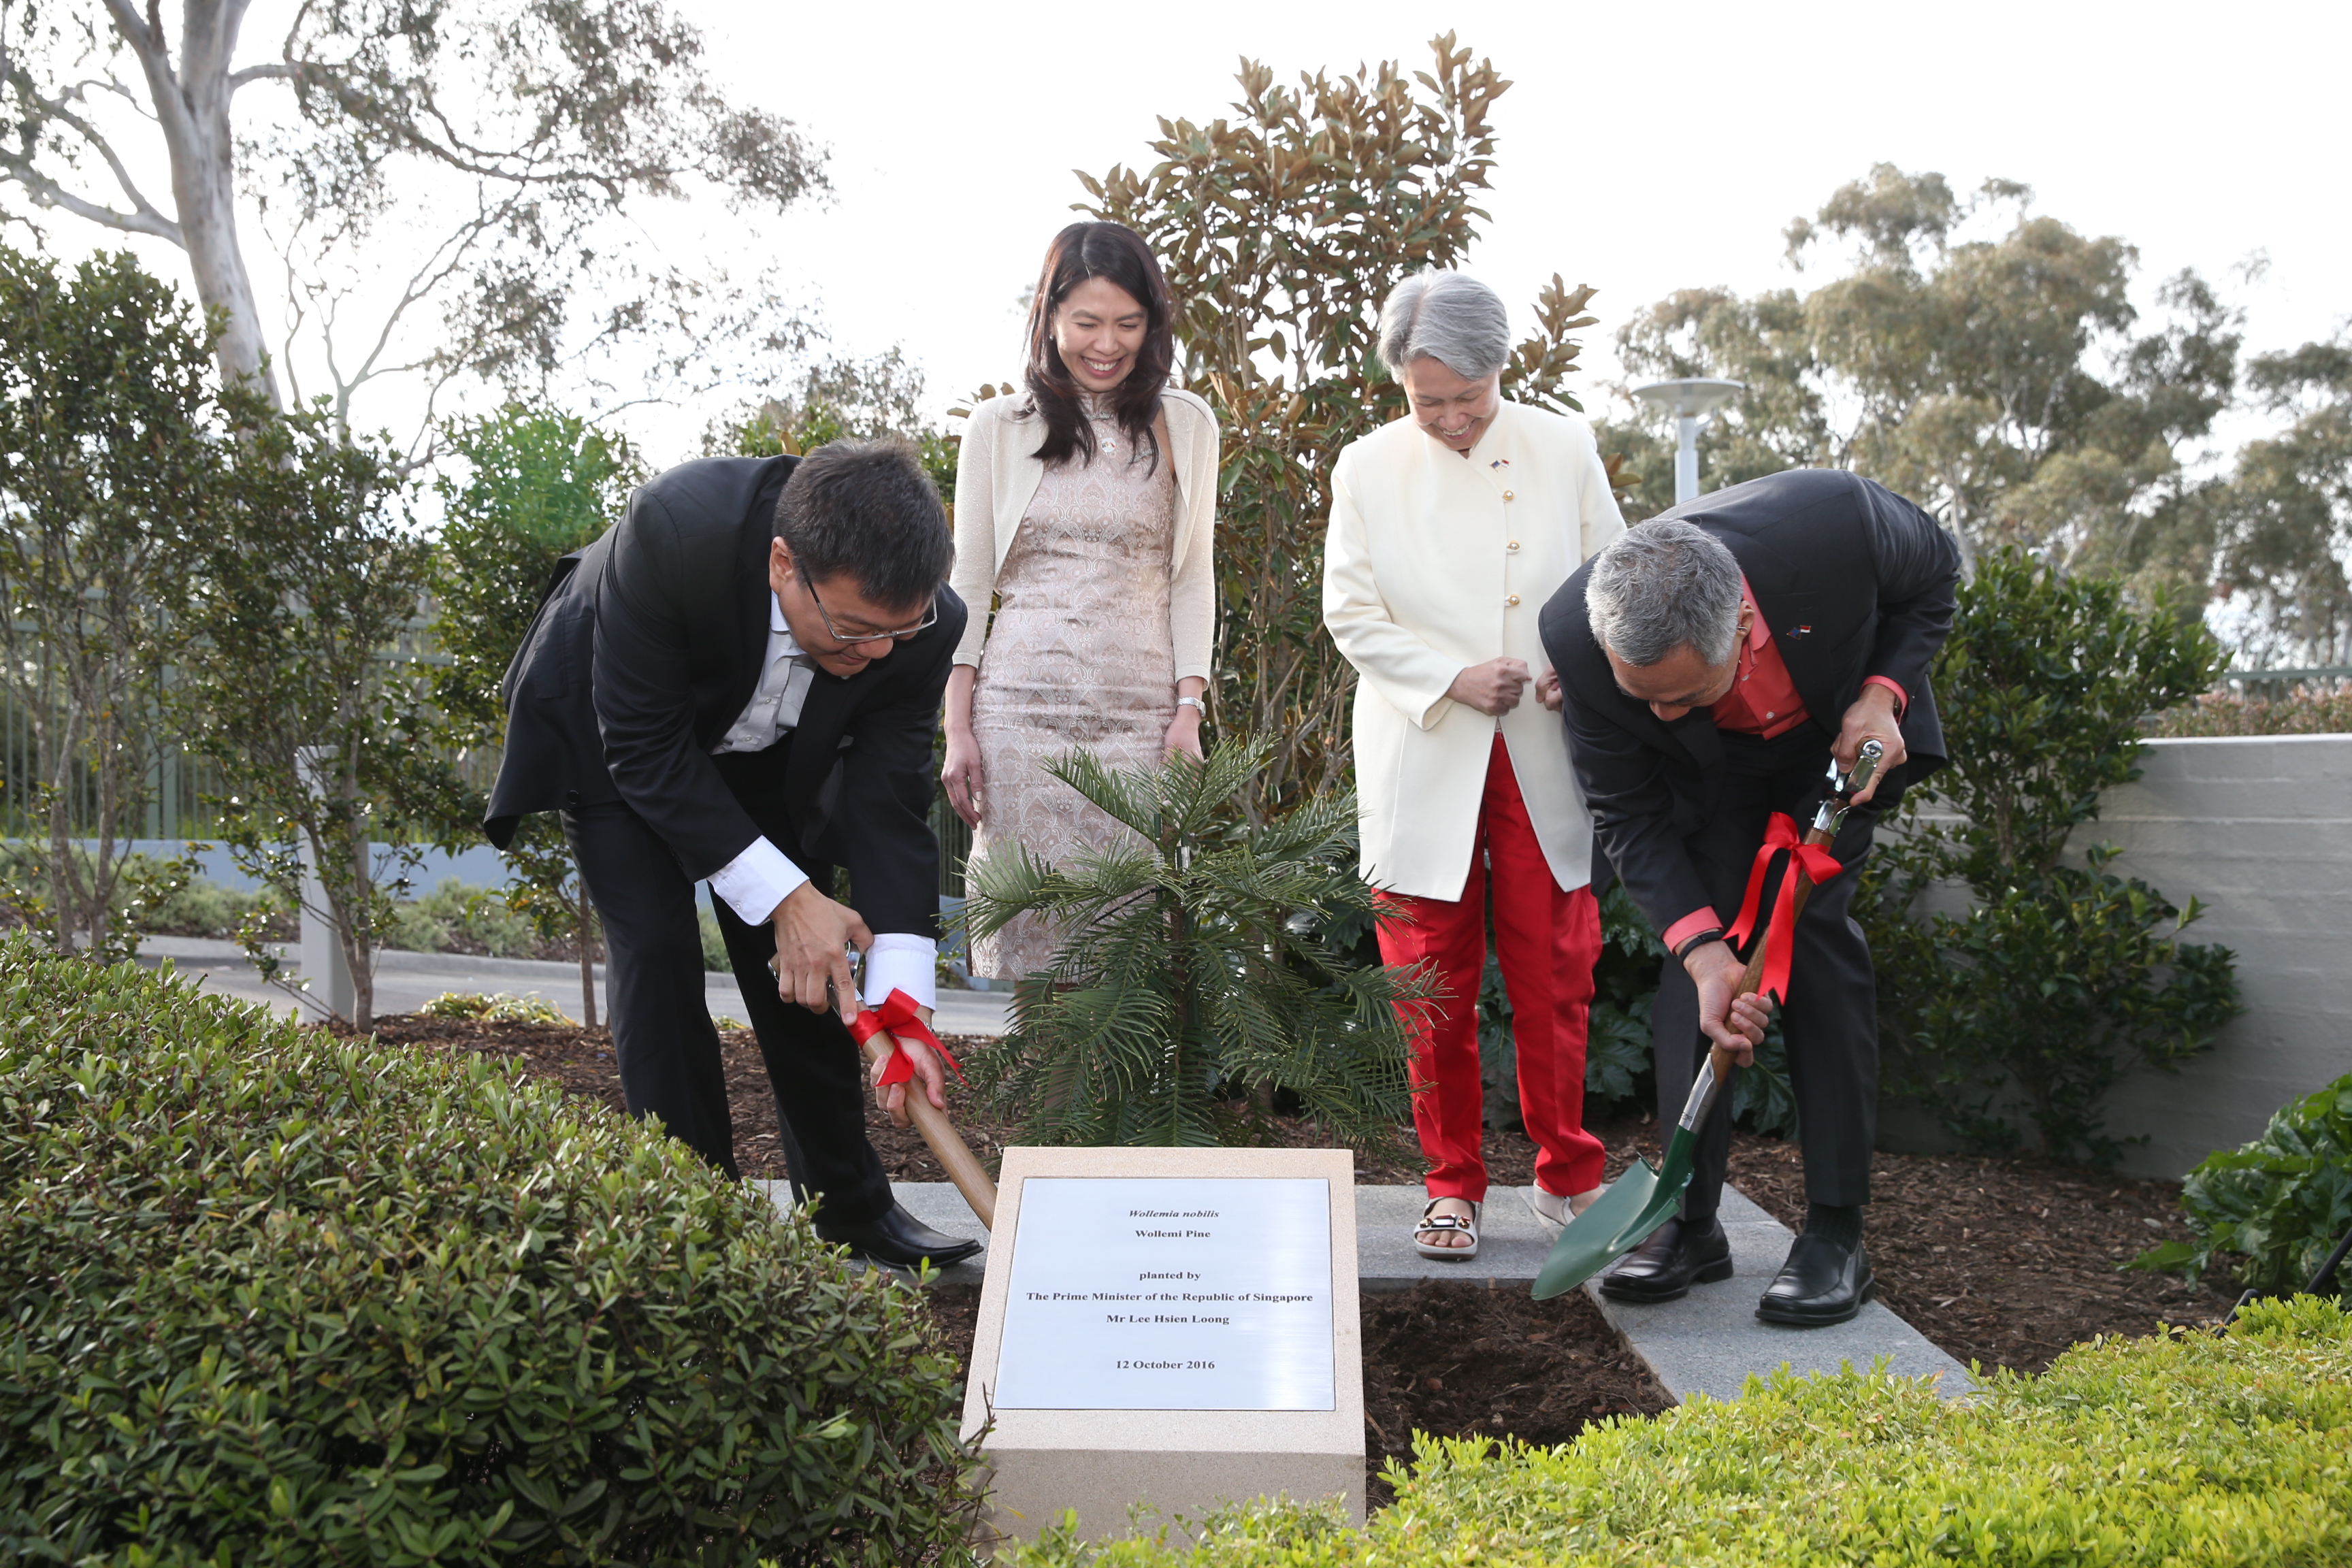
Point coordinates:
[(1169, 1328)]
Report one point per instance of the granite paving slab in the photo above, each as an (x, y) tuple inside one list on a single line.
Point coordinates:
[(1707, 1342), (1710, 1341)]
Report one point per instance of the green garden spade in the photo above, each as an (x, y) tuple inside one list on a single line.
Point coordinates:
[(1645, 1196)]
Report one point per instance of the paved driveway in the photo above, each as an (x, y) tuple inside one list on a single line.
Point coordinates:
[(406, 980)]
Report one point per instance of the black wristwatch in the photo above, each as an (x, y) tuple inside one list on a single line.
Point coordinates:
[(1713, 934)]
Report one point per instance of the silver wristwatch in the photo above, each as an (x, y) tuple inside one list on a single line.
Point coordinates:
[(1195, 704)]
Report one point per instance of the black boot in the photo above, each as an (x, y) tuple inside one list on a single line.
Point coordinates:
[(1665, 1267)]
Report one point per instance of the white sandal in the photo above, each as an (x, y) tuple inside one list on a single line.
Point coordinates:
[(1447, 1225), (1556, 1210)]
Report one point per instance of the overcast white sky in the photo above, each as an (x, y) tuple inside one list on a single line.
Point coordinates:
[(1643, 148)]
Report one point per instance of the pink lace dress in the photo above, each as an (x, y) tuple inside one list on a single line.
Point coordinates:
[(1079, 656)]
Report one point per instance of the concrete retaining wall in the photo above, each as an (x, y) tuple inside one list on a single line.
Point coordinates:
[(2258, 828)]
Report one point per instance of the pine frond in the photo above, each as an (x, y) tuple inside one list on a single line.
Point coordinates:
[(1191, 975)]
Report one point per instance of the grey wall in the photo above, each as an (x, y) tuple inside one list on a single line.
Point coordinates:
[(480, 866), (2260, 829)]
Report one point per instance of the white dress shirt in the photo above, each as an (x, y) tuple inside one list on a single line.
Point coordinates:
[(762, 876)]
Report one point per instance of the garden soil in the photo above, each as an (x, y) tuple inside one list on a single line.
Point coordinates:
[(2002, 1261)]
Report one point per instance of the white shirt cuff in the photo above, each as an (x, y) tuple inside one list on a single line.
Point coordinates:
[(901, 962), (757, 880)]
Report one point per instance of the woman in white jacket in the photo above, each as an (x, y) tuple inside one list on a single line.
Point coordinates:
[(1085, 509), (1450, 528)]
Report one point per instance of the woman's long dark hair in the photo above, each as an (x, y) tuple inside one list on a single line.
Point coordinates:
[(1117, 255)]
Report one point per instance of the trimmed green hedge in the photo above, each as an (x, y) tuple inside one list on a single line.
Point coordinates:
[(275, 1298), (2184, 1449)]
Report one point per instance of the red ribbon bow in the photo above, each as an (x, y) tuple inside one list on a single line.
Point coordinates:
[(900, 1014), (1780, 833)]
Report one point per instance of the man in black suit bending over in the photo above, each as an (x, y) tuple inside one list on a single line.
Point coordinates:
[(738, 683), (1711, 662)]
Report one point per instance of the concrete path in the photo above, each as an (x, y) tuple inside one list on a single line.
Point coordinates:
[(1708, 1343), (406, 980)]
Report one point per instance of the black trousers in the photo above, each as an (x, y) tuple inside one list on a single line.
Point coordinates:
[(1830, 1019), (664, 1040)]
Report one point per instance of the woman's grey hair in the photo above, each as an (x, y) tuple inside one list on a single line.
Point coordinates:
[(1449, 317), (1663, 586)]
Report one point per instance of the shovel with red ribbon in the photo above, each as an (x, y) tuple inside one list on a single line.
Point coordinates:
[(1644, 1197), (877, 1031), (1811, 864)]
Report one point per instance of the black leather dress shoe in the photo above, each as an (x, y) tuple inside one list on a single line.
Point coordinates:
[(1665, 1267), (899, 1239), (1822, 1282)]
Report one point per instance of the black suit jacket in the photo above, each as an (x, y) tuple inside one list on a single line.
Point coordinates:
[(644, 653), (1853, 581)]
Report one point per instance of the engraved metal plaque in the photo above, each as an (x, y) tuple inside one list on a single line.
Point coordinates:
[(1166, 1293)]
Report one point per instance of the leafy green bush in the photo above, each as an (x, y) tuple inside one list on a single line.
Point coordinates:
[(278, 1298), (2285, 1200), (2062, 978), (453, 910), (714, 946), (498, 1009), (203, 908), (150, 895), (525, 487), (2178, 1450), (2311, 708), (1198, 971), (2076, 977)]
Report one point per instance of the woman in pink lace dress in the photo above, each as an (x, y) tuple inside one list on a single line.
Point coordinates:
[(1085, 509)]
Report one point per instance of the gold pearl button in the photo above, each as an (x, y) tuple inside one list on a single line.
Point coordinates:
[(1506, 495), (1512, 545), (1513, 600)]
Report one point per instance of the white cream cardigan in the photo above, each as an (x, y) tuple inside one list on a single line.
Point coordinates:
[(997, 476)]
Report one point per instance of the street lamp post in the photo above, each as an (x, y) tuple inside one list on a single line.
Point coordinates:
[(1692, 402)]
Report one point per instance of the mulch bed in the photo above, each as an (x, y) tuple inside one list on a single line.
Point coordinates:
[(2005, 1262)]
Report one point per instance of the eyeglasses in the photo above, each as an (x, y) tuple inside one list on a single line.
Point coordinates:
[(930, 618)]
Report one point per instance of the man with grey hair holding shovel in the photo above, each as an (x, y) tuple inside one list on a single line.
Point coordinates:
[(1713, 663)]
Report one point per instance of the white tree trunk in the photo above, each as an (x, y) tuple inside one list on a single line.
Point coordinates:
[(191, 105)]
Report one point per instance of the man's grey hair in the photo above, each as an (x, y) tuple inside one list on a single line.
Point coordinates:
[(1663, 586), (1449, 317)]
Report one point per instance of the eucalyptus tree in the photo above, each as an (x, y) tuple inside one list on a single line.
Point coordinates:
[(2283, 519), (491, 159), (109, 469), (1971, 352)]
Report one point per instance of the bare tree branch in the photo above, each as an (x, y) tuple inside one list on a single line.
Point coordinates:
[(260, 73), (566, 113), (46, 193), (143, 34), (142, 219)]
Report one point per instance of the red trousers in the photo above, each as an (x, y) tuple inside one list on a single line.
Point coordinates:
[(1547, 942)]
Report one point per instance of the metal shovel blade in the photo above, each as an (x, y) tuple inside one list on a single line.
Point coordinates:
[(1620, 1220)]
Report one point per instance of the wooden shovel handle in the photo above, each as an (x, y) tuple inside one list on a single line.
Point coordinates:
[(962, 1167), (1755, 960)]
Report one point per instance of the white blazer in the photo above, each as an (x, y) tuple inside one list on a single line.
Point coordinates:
[(997, 475), (1434, 564)]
